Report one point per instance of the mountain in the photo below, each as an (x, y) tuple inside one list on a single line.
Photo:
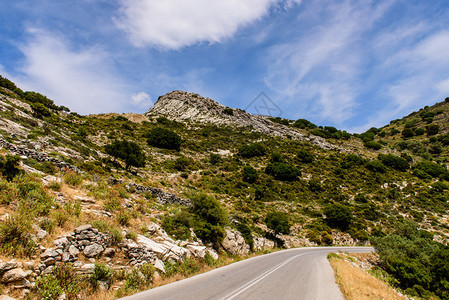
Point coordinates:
[(192, 177)]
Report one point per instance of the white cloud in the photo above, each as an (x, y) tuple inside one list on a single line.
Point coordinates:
[(174, 24), (318, 70), (142, 100), (83, 80)]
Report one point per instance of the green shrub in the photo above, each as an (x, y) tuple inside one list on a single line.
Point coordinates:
[(72, 178), (303, 123), (55, 186), (439, 186), (372, 144), (183, 163), (249, 174), (419, 264), (315, 185), (164, 138), (431, 169), (432, 129), (305, 156), (114, 232), (252, 150), (282, 171), (278, 221), (63, 279), (408, 133), (178, 225), (395, 162), (123, 218), (9, 167), (228, 111), (351, 160), (15, 236), (326, 238), (40, 111), (209, 218), (376, 166), (338, 215), (214, 159), (101, 272), (129, 152)]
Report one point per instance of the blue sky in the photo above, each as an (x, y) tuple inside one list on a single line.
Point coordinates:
[(349, 64)]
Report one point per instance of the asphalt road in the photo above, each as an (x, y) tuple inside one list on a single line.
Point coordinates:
[(301, 273)]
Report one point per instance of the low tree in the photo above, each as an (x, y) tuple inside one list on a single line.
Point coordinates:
[(9, 167), (282, 171), (129, 152), (278, 221), (209, 218), (252, 150), (250, 174), (338, 216), (164, 138)]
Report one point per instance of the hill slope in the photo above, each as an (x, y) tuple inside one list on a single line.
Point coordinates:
[(264, 181)]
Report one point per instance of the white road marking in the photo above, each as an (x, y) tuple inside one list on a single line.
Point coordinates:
[(257, 279)]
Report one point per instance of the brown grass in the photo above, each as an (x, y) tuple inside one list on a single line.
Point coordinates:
[(356, 284)]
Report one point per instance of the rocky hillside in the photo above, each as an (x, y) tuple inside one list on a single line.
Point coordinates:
[(123, 202), (424, 133), (193, 108)]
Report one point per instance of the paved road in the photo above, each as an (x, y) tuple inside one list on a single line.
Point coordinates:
[(302, 273)]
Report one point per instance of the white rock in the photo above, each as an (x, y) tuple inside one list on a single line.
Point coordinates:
[(93, 250), (13, 275)]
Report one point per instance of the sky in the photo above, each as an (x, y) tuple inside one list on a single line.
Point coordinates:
[(343, 63)]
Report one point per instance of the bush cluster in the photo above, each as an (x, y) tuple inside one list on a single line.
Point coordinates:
[(420, 264), (164, 138), (252, 150)]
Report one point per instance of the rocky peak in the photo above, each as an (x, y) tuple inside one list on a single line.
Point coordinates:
[(185, 106)]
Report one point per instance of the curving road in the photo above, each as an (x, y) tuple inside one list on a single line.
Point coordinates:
[(301, 273)]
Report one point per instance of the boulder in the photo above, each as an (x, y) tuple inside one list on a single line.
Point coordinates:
[(73, 251), (5, 266), (13, 275), (49, 253), (261, 243), (93, 250), (83, 228), (234, 243), (197, 251)]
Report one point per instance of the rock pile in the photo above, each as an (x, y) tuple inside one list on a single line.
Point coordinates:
[(85, 239), (39, 156), (162, 196), (11, 272)]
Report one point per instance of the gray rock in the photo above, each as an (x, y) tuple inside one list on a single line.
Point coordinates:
[(109, 252), (62, 242), (158, 264), (73, 251), (49, 253), (88, 268), (83, 228), (197, 251), (6, 297), (93, 250), (234, 243), (5, 266), (13, 275), (23, 284), (47, 270)]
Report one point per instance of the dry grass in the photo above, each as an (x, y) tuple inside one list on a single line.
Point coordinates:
[(356, 284)]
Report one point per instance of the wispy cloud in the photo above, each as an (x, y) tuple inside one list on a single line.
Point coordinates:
[(173, 24), (322, 65), (84, 80)]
